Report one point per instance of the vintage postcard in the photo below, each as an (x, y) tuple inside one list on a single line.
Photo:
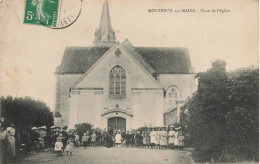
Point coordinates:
[(129, 81)]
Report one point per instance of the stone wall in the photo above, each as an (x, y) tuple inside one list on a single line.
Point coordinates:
[(144, 96), (63, 84), (147, 107)]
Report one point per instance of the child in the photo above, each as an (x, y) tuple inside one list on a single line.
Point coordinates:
[(153, 138), (85, 140), (93, 139), (181, 141), (58, 146), (77, 143), (70, 146), (118, 138)]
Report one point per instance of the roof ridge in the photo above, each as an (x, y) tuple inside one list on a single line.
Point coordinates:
[(164, 47), (160, 60)]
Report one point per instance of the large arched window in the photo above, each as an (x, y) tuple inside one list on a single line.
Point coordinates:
[(117, 81)]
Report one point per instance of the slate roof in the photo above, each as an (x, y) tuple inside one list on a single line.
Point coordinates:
[(77, 60), (166, 60), (130, 48)]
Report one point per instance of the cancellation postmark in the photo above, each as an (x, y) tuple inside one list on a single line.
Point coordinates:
[(56, 14)]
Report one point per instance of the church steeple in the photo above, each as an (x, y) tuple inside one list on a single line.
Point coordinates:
[(105, 35)]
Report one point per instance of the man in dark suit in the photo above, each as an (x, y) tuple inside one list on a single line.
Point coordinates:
[(127, 138), (64, 137), (109, 141), (123, 137)]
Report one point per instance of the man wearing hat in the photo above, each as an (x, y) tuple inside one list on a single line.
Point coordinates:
[(132, 138), (127, 138), (65, 137), (104, 137), (123, 137), (34, 138), (109, 137), (41, 134), (53, 136), (84, 139), (138, 138), (145, 137), (44, 134)]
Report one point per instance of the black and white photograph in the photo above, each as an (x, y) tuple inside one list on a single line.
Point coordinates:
[(129, 81)]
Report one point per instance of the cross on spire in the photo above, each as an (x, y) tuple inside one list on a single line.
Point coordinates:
[(105, 35)]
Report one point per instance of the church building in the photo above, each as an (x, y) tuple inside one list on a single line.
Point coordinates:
[(118, 84)]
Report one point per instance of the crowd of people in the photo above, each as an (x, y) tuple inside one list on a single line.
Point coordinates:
[(150, 138), (60, 140)]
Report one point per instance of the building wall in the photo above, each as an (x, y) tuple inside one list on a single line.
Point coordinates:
[(186, 83), (144, 100), (146, 106), (63, 83), (138, 103), (170, 117)]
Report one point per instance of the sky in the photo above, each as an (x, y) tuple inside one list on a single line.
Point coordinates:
[(29, 54)]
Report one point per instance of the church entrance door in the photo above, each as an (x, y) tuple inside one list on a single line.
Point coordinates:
[(117, 123)]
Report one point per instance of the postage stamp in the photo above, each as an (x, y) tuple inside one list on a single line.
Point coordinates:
[(56, 14), (41, 12)]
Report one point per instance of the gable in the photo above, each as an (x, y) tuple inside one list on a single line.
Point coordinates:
[(98, 74)]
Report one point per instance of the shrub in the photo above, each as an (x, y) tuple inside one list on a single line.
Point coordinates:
[(224, 113)]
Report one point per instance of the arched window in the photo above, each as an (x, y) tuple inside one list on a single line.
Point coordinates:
[(172, 95), (117, 81)]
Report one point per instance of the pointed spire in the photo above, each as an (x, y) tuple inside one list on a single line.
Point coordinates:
[(105, 22), (105, 35)]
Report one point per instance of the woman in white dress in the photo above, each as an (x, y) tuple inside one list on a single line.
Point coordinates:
[(176, 141), (118, 138), (163, 138), (171, 136), (157, 141), (153, 137)]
